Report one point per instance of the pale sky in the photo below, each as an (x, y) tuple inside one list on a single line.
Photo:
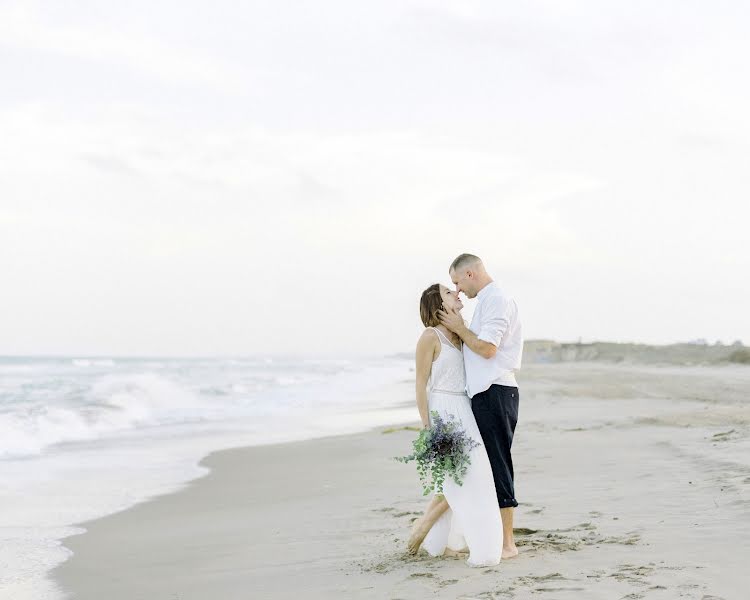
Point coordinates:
[(192, 178)]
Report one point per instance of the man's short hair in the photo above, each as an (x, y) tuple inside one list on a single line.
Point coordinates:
[(464, 260)]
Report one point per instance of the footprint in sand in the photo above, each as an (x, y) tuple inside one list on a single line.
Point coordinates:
[(533, 511), (571, 538), (723, 436), (534, 579), (633, 574), (406, 513), (629, 539), (537, 583)]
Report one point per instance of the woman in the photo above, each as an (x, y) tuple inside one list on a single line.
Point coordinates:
[(466, 515)]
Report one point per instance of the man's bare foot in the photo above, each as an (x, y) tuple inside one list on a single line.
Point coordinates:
[(510, 552), (419, 532)]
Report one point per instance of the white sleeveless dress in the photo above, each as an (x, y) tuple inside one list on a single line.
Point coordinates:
[(473, 519)]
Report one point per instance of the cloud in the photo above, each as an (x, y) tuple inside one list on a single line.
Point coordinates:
[(110, 164), (24, 28), (591, 152)]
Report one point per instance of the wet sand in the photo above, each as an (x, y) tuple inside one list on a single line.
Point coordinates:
[(634, 482)]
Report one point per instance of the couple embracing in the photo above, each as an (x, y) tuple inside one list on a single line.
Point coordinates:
[(469, 373)]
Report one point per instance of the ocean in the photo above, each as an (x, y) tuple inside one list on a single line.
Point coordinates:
[(82, 437)]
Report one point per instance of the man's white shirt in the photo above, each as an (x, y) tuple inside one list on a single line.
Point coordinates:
[(495, 321)]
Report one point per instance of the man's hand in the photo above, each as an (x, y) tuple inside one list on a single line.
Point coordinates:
[(452, 320)]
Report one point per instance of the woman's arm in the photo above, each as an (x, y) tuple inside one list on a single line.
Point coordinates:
[(426, 348)]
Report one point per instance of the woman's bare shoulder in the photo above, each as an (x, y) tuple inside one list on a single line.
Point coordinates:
[(428, 338)]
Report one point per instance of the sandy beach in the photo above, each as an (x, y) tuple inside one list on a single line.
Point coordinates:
[(633, 482)]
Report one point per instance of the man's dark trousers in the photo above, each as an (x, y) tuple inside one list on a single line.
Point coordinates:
[(496, 413)]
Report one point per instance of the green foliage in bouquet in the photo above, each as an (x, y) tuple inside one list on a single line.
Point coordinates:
[(439, 451)]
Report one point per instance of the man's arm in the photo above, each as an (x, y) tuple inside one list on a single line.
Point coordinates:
[(453, 321)]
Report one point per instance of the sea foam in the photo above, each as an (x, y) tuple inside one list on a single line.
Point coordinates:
[(81, 438)]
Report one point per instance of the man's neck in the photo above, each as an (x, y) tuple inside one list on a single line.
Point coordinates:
[(486, 282)]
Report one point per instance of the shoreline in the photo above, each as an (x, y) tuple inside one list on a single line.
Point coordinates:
[(220, 467), (130, 471), (617, 491)]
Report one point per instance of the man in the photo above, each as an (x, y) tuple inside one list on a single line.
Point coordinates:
[(493, 345)]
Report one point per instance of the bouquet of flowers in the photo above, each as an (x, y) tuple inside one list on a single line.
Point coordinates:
[(441, 450)]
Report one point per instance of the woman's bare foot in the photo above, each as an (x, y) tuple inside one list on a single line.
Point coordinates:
[(510, 552), (455, 553), (437, 506)]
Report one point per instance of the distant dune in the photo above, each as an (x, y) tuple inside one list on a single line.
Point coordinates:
[(548, 351)]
